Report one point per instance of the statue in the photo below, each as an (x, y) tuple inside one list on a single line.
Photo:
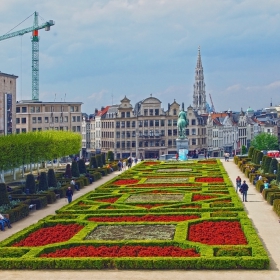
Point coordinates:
[(182, 123)]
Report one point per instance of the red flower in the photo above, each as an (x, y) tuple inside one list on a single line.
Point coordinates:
[(49, 235), (217, 233), (197, 197), (122, 251), (126, 182), (209, 179), (109, 200)]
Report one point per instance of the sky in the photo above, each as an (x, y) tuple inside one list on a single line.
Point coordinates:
[(100, 51)]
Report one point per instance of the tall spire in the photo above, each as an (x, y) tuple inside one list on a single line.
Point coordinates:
[(199, 95)]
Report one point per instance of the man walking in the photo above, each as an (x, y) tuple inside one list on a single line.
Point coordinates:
[(244, 189), (69, 194)]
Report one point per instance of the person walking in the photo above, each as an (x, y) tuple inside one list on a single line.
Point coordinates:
[(238, 183), (177, 156), (244, 189), (119, 165), (124, 165), (69, 194)]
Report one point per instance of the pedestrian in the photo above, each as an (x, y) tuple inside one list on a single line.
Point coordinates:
[(260, 177), (238, 183), (69, 194), (135, 160), (129, 162), (177, 156), (208, 155), (124, 165), (266, 184), (73, 183), (244, 189), (119, 165), (4, 221)]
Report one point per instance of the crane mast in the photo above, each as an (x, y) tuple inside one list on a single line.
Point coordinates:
[(35, 49), (213, 108)]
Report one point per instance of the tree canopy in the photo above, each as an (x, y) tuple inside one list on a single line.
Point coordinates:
[(265, 141)]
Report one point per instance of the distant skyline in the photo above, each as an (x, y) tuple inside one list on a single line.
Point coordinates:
[(102, 50)]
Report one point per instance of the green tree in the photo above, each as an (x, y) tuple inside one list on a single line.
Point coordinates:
[(52, 182), (243, 150), (250, 152), (93, 162), (82, 166), (110, 156), (43, 182), (75, 169), (30, 183), (99, 160), (267, 164), (4, 199), (259, 157), (68, 172), (265, 141)]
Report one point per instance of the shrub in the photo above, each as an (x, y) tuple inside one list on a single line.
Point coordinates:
[(93, 163), (273, 165), (259, 157), (43, 182), (68, 172), (30, 183), (250, 152), (4, 199), (82, 166), (99, 161), (110, 156), (51, 179), (103, 159), (75, 169), (243, 150), (278, 174), (266, 164)]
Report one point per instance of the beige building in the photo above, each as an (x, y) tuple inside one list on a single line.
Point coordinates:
[(37, 115), (7, 103)]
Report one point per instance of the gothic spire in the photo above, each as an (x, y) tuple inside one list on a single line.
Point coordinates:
[(199, 95)]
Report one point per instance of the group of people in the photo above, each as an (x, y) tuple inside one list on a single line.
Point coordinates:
[(242, 188), (226, 156), (4, 221), (122, 164)]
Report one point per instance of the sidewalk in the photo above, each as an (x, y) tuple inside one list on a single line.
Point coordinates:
[(259, 211)]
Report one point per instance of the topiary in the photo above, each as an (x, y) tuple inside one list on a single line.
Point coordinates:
[(243, 150), (110, 156), (99, 161), (278, 173), (82, 166), (68, 173), (250, 152), (273, 165), (259, 157), (52, 182), (30, 183), (93, 162), (103, 159), (266, 164), (43, 182), (75, 169), (4, 199)]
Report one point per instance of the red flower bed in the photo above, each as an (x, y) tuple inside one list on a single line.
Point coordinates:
[(159, 185), (151, 163), (109, 200), (217, 233), (122, 251), (49, 235), (209, 179), (149, 206), (197, 197), (190, 206), (208, 162), (126, 182), (146, 218)]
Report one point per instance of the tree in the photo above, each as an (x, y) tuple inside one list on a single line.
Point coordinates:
[(243, 150), (250, 152), (110, 156), (93, 163), (75, 169), (259, 157), (52, 182), (267, 164), (265, 141), (273, 165), (278, 173), (99, 160), (43, 182), (4, 199), (82, 166), (68, 172), (30, 183)]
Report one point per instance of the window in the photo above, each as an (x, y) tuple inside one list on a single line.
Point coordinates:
[(193, 141), (133, 133), (117, 124), (193, 131), (123, 124), (39, 119), (187, 132), (156, 112), (123, 145), (128, 124), (56, 119), (174, 112), (169, 123), (128, 114), (133, 124), (123, 114), (78, 118), (162, 132), (39, 128), (151, 112), (74, 128), (34, 120), (23, 110), (78, 128), (71, 108), (33, 129), (174, 122), (73, 118), (118, 144), (193, 122), (17, 131), (123, 134), (133, 144), (23, 130), (174, 132), (162, 143), (61, 119), (146, 123), (169, 132), (151, 133), (32, 109), (146, 112), (162, 123), (18, 110), (65, 119), (169, 142), (128, 144), (156, 122), (140, 123), (38, 109), (128, 134), (46, 119), (151, 122), (17, 120)]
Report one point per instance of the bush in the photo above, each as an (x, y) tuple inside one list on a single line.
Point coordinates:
[(103, 159), (278, 173), (51, 179), (273, 165), (93, 162), (43, 182), (110, 156), (259, 157), (82, 166), (250, 152), (75, 169), (30, 183), (68, 173), (99, 161), (4, 199), (267, 164)]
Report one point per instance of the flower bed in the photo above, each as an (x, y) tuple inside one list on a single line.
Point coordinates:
[(145, 219)]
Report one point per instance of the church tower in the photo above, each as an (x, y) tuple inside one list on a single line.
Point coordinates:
[(199, 96)]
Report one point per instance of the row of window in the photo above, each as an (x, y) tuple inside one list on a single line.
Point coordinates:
[(60, 119), (65, 128), (37, 109)]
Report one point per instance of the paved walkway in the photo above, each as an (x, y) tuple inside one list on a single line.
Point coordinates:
[(259, 211)]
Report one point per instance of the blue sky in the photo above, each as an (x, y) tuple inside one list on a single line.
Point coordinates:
[(101, 50)]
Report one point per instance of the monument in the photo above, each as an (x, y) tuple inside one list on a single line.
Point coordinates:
[(182, 143)]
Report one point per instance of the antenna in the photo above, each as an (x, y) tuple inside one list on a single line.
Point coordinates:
[(64, 97)]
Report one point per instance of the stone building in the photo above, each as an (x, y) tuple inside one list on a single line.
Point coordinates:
[(7, 103)]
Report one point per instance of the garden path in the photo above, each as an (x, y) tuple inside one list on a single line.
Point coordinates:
[(259, 211)]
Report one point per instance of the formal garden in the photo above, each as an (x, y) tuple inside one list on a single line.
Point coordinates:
[(156, 215)]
